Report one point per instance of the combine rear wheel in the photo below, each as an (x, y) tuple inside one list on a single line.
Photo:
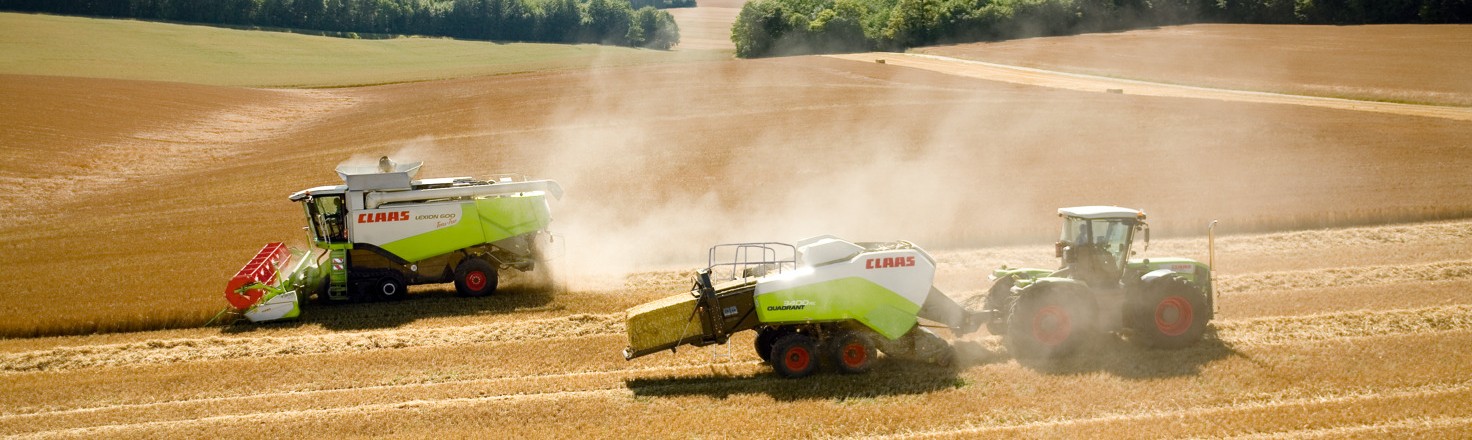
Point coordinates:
[(475, 277), (1170, 313), (794, 355), (851, 352), (1048, 322)]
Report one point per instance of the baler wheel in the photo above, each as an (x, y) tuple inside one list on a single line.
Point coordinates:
[(794, 355), (475, 277), (764, 340), (1170, 313), (851, 352)]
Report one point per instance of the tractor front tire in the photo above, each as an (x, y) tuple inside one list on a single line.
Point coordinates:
[(999, 297), (1169, 313), (851, 352), (1048, 322), (475, 277), (794, 355)]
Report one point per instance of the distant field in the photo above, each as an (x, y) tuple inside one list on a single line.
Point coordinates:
[(1398, 63), (126, 49)]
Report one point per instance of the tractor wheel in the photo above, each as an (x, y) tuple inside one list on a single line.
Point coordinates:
[(999, 298), (851, 352), (1170, 313), (475, 277), (794, 355), (764, 340), (388, 288), (1048, 323)]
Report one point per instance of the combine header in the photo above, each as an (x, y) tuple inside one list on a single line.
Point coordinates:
[(821, 300), (382, 231)]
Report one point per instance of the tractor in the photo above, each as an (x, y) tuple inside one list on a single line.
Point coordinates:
[(1156, 302)]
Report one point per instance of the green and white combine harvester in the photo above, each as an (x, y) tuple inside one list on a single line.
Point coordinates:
[(381, 231), (828, 301)]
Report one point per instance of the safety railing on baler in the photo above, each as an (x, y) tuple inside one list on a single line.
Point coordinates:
[(769, 258)]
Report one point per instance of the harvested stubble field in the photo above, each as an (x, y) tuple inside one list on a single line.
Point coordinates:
[(137, 199)]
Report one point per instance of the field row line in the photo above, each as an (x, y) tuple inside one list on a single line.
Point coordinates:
[(1250, 331), (107, 430), (1399, 426), (1354, 396), (1265, 331), (330, 391), (1343, 325), (222, 348), (1346, 277)]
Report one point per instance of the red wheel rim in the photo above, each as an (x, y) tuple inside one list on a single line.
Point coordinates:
[(797, 359), (854, 354), (475, 280), (1051, 326), (1173, 316)]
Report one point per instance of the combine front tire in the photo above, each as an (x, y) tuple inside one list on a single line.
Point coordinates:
[(851, 352), (475, 277), (794, 355), (1048, 323), (1170, 313)]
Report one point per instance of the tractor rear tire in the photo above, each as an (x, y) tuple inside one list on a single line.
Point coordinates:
[(794, 355), (1048, 322), (851, 352), (764, 340), (1170, 313), (999, 298), (475, 277), (388, 288)]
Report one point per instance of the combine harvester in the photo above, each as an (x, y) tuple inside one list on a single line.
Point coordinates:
[(382, 231), (823, 298), (826, 300)]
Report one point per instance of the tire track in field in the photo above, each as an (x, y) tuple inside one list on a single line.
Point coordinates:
[(106, 431), (1091, 83), (223, 404), (1257, 402), (164, 351), (1239, 333), (1346, 277), (1399, 426)]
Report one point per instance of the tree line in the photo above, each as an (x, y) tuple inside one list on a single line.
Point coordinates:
[(559, 21), (787, 27)]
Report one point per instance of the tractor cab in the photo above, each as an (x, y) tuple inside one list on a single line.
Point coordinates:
[(1095, 242)]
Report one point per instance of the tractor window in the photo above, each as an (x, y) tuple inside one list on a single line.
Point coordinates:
[(1075, 231), (326, 214)]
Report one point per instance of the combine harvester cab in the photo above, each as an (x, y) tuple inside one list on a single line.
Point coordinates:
[(381, 231), (821, 300)]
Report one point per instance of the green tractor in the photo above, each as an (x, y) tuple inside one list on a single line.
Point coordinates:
[(1156, 302)]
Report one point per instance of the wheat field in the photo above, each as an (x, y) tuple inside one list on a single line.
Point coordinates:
[(1345, 293)]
